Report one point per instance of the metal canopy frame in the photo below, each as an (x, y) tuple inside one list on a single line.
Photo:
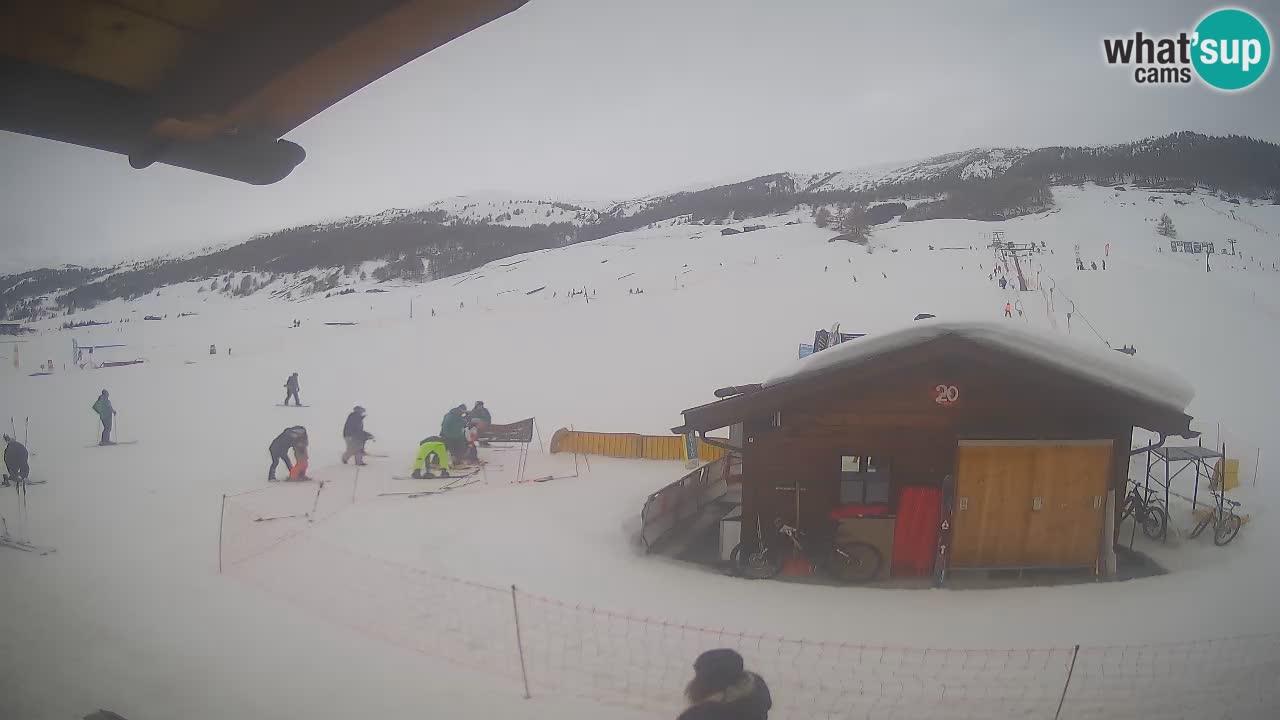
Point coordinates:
[(1187, 456)]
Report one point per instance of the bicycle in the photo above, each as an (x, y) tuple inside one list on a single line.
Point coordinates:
[(1226, 523), (853, 563), (1147, 512)]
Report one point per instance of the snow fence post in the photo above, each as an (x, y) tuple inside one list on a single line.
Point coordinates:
[(1067, 684), (515, 611), (222, 514), (316, 505)]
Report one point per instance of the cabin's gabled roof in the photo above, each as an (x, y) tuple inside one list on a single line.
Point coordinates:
[(1156, 399)]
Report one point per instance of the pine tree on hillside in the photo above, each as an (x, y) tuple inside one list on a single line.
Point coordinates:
[(822, 217), (1165, 227), (854, 223)]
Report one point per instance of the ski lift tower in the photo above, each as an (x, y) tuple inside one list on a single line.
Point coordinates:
[(1006, 251), (997, 241)]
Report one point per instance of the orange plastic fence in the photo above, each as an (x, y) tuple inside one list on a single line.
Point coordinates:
[(628, 445)]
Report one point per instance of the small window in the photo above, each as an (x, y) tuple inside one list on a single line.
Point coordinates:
[(864, 480)]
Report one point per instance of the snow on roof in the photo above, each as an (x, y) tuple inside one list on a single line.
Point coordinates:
[(1094, 363)]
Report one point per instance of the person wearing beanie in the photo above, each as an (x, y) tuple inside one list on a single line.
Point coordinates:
[(354, 433), (480, 418), (722, 689)]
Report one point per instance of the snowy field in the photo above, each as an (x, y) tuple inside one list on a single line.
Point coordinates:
[(354, 617)]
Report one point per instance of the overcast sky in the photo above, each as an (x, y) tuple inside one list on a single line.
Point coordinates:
[(607, 99)]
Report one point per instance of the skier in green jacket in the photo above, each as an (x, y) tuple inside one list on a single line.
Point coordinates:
[(453, 430), (105, 412)]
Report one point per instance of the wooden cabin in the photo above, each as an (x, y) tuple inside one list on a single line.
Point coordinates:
[(1036, 431)]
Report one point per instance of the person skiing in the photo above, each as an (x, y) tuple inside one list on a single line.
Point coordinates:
[(280, 446), (480, 418), (291, 390), (1008, 310), (15, 461), (102, 406), (1003, 283), (431, 453), (354, 433), (453, 430), (721, 689)]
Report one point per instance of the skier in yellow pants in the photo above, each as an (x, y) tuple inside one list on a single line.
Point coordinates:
[(423, 462)]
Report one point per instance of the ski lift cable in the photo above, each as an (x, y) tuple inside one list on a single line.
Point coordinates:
[(1076, 312)]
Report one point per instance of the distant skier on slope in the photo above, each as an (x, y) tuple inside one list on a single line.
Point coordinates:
[(1008, 310), (453, 430), (279, 448), (15, 461), (102, 406), (354, 433), (431, 453), (291, 390), (1003, 283)]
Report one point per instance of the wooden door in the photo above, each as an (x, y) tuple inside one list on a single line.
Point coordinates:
[(1029, 504), (1071, 481), (993, 496)]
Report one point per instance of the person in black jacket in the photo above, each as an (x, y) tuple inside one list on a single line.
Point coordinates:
[(480, 418), (291, 390), (353, 432), (15, 459), (721, 689), (279, 449)]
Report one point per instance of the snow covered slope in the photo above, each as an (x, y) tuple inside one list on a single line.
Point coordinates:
[(130, 612), (978, 163)]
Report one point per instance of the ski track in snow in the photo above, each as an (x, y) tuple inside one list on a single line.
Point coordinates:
[(131, 614)]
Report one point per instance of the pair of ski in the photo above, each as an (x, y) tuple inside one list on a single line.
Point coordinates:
[(455, 482), (544, 478), (9, 541), (942, 559), (25, 546)]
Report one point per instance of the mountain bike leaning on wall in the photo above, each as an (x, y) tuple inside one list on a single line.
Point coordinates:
[(853, 562), (1147, 511)]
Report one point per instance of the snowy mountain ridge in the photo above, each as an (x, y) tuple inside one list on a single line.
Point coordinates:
[(456, 234)]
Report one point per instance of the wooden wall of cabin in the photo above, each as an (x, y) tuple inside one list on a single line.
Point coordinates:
[(899, 418)]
